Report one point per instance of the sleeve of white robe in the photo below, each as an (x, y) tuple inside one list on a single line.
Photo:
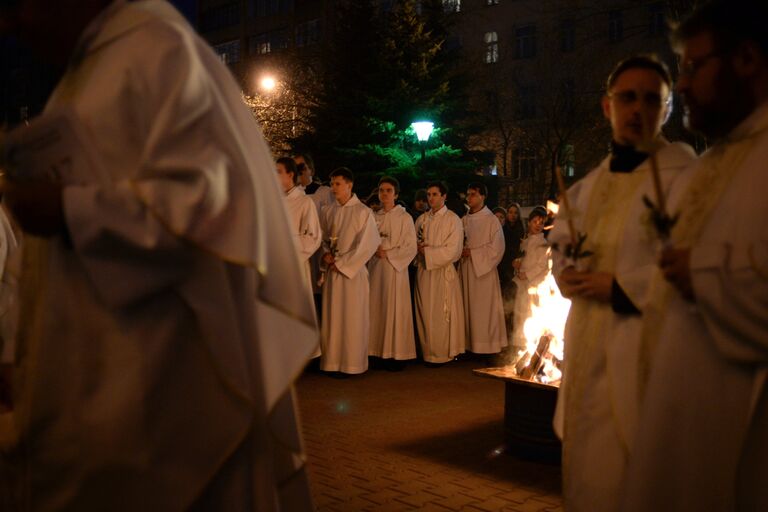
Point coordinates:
[(310, 235), (365, 245), (437, 256), (402, 255), (560, 235), (730, 282), (181, 168), (538, 266), (485, 258)]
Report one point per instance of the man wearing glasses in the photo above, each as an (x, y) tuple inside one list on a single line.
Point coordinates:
[(702, 439), (597, 405)]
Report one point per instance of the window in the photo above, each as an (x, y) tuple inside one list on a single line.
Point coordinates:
[(308, 33), (451, 5), (524, 164), (526, 102), (615, 26), (525, 42), (220, 17), (567, 161), (259, 44), (567, 36), (656, 25), (228, 52), (491, 47)]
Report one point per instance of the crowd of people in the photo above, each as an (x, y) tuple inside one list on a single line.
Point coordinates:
[(154, 313), (356, 257)]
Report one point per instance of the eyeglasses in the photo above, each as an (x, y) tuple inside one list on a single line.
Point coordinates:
[(650, 99), (690, 67)]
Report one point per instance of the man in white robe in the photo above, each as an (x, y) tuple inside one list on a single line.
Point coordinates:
[(439, 307), (162, 316), (598, 400), (702, 440), (481, 291), (302, 214), (391, 314), (350, 239)]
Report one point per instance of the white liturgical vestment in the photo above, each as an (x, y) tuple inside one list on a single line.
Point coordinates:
[(439, 308), (534, 266), (702, 440), (483, 305), (160, 336), (391, 313), (305, 227), (350, 233), (598, 400)]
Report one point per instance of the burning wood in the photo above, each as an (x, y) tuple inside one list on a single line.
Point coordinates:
[(534, 362)]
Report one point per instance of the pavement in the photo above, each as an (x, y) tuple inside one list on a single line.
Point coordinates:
[(423, 438)]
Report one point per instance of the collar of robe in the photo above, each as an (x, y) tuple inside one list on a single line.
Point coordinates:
[(625, 158)]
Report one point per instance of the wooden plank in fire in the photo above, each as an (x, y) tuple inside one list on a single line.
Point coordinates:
[(537, 358)]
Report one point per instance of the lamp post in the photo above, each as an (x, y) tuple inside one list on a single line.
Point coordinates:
[(423, 130)]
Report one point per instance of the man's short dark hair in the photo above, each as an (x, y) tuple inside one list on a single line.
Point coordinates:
[(730, 23), (643, 61), (392, 181), (290, 167), (345, 173), (440, 185), (480, 187), (308, 161), (538, 211)]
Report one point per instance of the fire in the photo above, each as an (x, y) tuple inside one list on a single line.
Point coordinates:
[(544, 333)]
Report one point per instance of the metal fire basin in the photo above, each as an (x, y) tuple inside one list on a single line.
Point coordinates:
[(529, 408)]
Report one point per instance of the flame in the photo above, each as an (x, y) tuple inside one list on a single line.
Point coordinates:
[(549, 311)]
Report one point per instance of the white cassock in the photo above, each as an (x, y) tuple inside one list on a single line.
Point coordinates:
[(305, 227), (598, 399), (483, 305), (439, 308), (391, 313), (346, 314), (159, 340), (702, 440), (534, 266), (321, 197)]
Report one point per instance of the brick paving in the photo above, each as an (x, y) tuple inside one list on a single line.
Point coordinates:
[(426, 439)]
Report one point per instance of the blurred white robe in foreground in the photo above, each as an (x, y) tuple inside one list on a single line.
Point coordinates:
[(702, 440), (159, 340), (483, 306), (598, 399), (391, 313), (345, 326), (439, 309)]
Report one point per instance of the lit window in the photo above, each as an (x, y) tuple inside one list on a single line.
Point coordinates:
[(228, 52), (491, 47), (452, 5)]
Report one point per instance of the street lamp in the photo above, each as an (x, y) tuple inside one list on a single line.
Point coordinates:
[(268, 83), (423, 130)]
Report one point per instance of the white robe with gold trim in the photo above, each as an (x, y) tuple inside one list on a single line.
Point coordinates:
[(702, 441), (598, 399)]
